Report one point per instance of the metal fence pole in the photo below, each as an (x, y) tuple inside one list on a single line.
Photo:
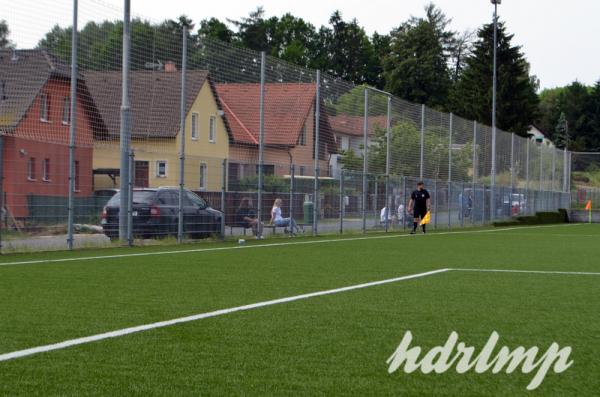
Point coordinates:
[(365, 161), (130, 182), (422, 153), (461, 209), (125, 133), (450, 171), (475, 171), (541, 167), (342, 201), (527, 156), (553, 169), (182, 107), (261, 138), (223, 203), (292, 188), (404, 215), (388, 161), (73, 122), (512, 163), (565, 168), (2, 214), (435, 203), (316, 186)]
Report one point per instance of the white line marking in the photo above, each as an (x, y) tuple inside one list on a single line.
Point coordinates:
[(529, 271), (140, 328), (337, 240)]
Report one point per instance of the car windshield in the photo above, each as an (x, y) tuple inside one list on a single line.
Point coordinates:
[(139, 197)]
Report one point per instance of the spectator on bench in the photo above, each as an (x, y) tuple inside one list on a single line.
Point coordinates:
[(245, 216), (278, 220)]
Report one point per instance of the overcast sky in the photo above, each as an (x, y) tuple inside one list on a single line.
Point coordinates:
[(559, 38)]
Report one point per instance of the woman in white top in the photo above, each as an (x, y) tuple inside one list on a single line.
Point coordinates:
[(278, 220)]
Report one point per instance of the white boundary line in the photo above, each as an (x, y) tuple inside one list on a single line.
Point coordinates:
[(528, 271), (337, 240), (161, 324), (195, 317)]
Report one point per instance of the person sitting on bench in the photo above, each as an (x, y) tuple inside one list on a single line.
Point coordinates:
[(246, 217), (278, 220)]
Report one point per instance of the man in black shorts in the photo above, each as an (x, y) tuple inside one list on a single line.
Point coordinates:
[(420, 203)]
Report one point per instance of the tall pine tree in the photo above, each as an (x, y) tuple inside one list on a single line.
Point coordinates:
[(516, 91)]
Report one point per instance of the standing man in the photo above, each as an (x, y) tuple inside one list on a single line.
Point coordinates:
[(419, 205)]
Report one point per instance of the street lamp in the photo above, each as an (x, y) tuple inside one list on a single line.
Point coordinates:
[(493, 187)]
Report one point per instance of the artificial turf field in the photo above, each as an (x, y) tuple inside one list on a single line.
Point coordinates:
[(334, 344)]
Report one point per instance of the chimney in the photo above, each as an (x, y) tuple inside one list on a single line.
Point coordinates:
[(170, 67)]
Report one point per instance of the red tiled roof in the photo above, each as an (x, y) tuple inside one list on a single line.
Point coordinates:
[(287, 107), (354, 125)]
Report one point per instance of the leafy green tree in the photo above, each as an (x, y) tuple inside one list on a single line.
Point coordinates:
[(215, 29), (4, 33), (517, 99), (416, 68), (353, 103)]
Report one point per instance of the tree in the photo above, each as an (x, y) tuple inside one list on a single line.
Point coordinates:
[(4, 33), (516, 92), (215, 29), (416, 68), (353, 103)]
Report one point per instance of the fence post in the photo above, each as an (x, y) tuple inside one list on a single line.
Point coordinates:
[(125, 133), (541, 168), (223, 203), (461, 209), (388, 159), (435, 203), (365, 161), (565, 160), (130, 183), (512, 163), (404, 215), (450, 171), (342, 202), (292, 187), (316, 186), (182, 107), (475, 171), (2, 214), (422, 153), (72, 127), (553, 169), (261, 138)]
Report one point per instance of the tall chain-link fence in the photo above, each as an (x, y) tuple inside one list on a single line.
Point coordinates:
[(216, 140)]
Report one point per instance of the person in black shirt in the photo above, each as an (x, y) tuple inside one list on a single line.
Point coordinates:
[(246, 217), (419, 205)]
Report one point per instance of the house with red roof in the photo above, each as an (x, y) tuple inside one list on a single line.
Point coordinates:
[(34, 123), (289, 129), (349, 135)]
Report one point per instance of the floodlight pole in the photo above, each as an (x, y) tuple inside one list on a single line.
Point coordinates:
[(125, 133), (365, 160), (72, 127), (388, 160), (494, 86)]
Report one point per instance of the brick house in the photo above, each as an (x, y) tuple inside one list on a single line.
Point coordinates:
[(34, 124), (289, 128)]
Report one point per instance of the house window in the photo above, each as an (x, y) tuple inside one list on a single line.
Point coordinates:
[(161, 169), (194, 126), (212, 129), (77, 176), (203, 171), (66, 110), (302, 139), (345, 143), (31, 169), (44, 104), (302, 170), (46, 170)]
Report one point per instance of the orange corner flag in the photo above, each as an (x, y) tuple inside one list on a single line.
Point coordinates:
[(588, 205), (426, 219)]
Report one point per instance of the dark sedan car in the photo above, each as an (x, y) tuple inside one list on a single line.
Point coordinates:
[(155, 214)]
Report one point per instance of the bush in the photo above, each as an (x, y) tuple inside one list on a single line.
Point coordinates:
[(540, 218)]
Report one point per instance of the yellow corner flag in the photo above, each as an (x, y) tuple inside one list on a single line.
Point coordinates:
[(588, 205), (426, 219)]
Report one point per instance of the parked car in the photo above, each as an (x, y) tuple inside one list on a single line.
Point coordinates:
[(155, 214), (516, 202), (103, 195)]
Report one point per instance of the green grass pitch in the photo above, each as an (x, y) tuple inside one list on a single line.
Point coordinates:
[(328, 345)]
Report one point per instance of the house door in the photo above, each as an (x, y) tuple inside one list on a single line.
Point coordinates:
[(141, 174)]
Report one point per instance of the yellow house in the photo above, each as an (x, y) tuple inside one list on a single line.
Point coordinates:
[(155, 129)]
